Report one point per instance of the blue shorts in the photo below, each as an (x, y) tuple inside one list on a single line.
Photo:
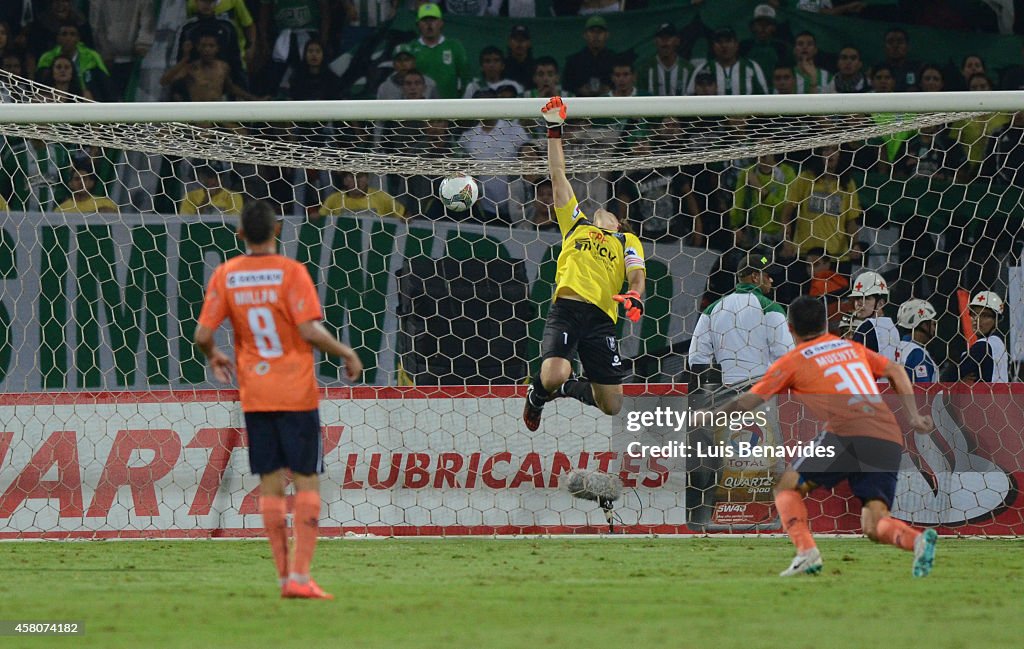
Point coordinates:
[(285, 440), (868, 464)]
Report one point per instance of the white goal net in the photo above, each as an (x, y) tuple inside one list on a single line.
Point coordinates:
[(117, 213)]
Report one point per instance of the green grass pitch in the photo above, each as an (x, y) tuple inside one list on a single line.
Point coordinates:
[(714, 593)]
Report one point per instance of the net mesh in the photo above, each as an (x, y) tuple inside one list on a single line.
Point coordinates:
[(112, 230)]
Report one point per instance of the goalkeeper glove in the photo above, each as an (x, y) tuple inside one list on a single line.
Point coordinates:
[(554, 114), (631, 303)]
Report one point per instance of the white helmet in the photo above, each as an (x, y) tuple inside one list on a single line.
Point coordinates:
[(989, 300), (869, 283), (914, 312)]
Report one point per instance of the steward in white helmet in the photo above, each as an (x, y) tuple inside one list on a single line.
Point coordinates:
[(986, 359), (870, 293), (919, 317)]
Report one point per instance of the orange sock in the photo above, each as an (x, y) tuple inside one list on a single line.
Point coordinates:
[(895, 532), (793, 513), (306, 521), (273, 509)]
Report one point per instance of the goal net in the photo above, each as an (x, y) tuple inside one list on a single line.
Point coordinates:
[(116, 215)]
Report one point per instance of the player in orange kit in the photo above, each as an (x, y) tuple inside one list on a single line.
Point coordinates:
[(822, 371), (275, 313)]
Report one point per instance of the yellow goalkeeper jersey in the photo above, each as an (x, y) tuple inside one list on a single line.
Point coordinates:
[(594, 262)]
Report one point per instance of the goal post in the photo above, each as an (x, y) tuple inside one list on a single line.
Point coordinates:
[(117, 213)]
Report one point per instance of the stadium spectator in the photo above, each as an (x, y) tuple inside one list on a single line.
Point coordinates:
[(733, 75), (206, 22), (784, 80), (9, 52), (882, 79), (976, 134), (588, 72), (986, 359), (237, 12), (766, 48), (414, 85), (666, 73), (970, 66), (868, 324), (1012, 78), (658, 203), (824, 209), (932, 152), (311, 78), (492, 73), (62, 75), (546, 80), (211, 197), (519, 62), (918, 317), (366, 14), (123, 33), (904, 69), (402, 62), (849, 75), (208, 78), (623, 80), (441, 58), (89, 64), (762, 192), (276, 419), (1005, 162), (82, 200), (356, 196), (932, 79), (825, 281), (44, 31), (493, 140), (288, 24), (811, 77), (541, 213), (744, 332)]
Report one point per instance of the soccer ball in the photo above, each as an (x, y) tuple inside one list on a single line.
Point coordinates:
[(458, 193)]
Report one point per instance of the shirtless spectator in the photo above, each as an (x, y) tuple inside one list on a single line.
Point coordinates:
[(208, 78)]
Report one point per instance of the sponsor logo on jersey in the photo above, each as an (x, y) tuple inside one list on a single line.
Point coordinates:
[(821, 348), (610, 340), (250, 278), (446, 57), (261, 368)]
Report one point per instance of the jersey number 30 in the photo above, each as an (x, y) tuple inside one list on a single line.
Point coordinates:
[(264, 331), (854, 378)]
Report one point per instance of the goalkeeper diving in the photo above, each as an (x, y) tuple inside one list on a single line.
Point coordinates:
[(598, 256)]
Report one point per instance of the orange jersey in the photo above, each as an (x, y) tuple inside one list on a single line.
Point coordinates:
[(266, 297), (824, 371)]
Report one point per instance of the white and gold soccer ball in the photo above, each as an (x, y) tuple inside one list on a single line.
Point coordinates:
[(458, 193)]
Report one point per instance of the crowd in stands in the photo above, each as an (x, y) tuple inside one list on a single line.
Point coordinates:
[(802, 207)]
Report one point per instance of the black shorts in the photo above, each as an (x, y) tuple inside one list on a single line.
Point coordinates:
[(285, 440), (580, 327), (870, 466)]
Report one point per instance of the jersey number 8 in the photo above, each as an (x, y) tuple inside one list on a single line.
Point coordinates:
[(264, 331)]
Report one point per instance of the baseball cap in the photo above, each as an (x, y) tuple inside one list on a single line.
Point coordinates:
[(596, 22), (724, 33), (402, 48), (666, 29), (428, 10), (766, 12), (754, 262), (520, 32)]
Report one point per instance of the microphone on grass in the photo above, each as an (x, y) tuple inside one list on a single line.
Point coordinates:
[(602, 488)]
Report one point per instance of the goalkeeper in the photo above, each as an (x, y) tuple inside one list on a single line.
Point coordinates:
[(597, 256)]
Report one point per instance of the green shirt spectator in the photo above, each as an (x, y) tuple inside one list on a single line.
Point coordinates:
[(92, 71), (443, 60), (761, 190)]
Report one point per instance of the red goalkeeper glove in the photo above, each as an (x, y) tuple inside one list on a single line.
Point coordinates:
[(554, 113), (631, 303)]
